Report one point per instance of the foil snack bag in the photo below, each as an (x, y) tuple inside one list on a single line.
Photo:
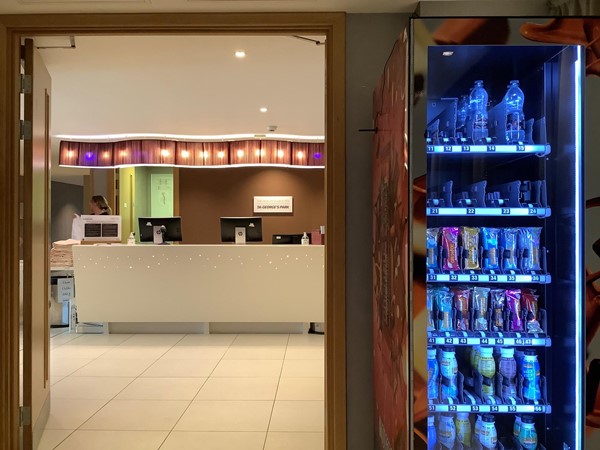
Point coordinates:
[(432, 248), (430, 302), (498, 303), (461, 306), (529, 245), (529, 303), (444, 306), (450, 248), (513, 302), (470, 243), (480, 307), (489, 242), (508, 241)]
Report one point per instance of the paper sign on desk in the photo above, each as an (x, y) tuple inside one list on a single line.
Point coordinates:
[(65, 289)]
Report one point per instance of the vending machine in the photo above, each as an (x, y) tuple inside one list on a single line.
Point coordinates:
[(478, 266), (503, 263)]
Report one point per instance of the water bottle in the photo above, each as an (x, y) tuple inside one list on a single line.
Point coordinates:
[(462, 111), (433, 372), (488, 436), (463, 428), (527, 434), (531, 373), (478, 100), (515, 120), (448, 370), (446, 432), (431, 433)]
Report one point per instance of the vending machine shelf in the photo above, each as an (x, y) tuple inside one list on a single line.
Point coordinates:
[(527, 409), (488, 278), (490, 212), (541, 149)]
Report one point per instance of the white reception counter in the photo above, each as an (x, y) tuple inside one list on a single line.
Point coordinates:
[(199, 283)]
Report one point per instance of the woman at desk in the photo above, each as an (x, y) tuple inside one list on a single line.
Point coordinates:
[(99, 206)]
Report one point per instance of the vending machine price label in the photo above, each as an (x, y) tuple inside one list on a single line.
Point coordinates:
[(533, 211), (484, 341), (535, 278), (506, 211), (447, 149), (430, 149), (512, 278), (451, 407), (431, 407), (474, 408), (474, 278), (512, 408), (494, 409), (462, 341), (471, 211), (449, 341), (493, 277), (518, 341), (491, 148), (466, 148), (453, 277), (499, 341), (520, 148), (431, 277), (434, 211), (538, 408)]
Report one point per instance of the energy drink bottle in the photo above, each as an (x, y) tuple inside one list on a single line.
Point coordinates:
[(531, 372)]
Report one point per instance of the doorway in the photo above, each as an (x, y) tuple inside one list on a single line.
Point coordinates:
[(330, 25)]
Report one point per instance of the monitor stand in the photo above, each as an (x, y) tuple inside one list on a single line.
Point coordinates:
[(240, 235), (158, 235)]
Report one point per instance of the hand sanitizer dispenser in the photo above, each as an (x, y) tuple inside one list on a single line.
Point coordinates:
[(305, 240)]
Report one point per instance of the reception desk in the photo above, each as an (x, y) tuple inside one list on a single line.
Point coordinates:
[(199, 283)]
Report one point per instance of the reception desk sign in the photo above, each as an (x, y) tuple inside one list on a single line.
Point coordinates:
[(274, 204)]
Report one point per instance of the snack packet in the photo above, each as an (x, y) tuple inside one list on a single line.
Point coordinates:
[(480, 307), (513, 301), (529, 303), (508, 241), (444, 306), (489, 241), (461, 305), (498, 303), (529, 244), (470, 244), (450, 248), (432, 248)]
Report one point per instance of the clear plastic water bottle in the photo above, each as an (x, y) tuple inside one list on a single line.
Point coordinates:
[(462, 111), (431, 433), (515, 120), (448, 370), (478, 100), (433, 372), (531, 372)]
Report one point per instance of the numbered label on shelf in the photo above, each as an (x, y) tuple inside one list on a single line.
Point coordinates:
[(488, 278)]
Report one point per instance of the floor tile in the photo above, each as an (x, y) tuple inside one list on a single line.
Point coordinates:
[(114, 440), (186, 368), (196, 352), (226, 416), (295, 441), (162, 389), (155, 339), (137, 415), (254, 388), (303, 368), (260, 339), (213, 440), (306, 339), (305, 352), (301, 389), (69, 414), (126, 351), (51, 438), (248, 368), (298, 416), (100, 388), (114, 368), (255, 352), (63, 339), (80, 351), (66, 366), (55, 379), (214, 340), (100, 339)]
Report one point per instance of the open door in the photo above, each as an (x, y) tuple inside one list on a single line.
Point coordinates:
[(36, 242)]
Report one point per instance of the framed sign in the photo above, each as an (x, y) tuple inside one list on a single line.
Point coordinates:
[(274, 204)]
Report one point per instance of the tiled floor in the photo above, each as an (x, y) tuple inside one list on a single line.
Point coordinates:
[(186, 392)]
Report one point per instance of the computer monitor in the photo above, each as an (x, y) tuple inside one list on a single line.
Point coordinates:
[(160, 229), (249, 229)]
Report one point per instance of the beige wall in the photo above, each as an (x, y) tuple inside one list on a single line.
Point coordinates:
[(208, 194)]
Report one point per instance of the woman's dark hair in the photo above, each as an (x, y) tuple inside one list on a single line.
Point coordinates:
[(101, 203)]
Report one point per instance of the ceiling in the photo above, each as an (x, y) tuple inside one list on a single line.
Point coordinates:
[(149, 6)]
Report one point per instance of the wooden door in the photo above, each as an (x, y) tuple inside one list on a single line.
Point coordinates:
[(36, 243)]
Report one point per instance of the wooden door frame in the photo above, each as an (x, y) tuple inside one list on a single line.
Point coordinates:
[(332, 25)]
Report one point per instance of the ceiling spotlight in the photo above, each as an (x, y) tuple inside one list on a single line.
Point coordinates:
[(164, 152), (263, 110), (240, 54), (185, 153)]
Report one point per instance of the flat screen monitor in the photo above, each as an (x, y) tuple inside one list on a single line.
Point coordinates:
[(160, 229), (295, 239), (252, 226)]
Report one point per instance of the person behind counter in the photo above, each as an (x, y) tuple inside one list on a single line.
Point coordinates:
[(99, 206)]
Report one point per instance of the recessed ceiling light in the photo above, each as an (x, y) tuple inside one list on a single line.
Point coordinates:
[(240, 54), (263, 109)]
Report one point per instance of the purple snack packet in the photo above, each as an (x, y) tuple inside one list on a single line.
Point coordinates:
[(513, 300), (450, 248)]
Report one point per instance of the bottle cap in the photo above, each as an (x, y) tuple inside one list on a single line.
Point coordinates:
[(507, 352), (527, 419), (431, 353), (430, 420), (488, 418), (486, 351)]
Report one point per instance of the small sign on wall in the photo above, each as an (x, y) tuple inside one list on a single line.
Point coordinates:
[(274, 204), (65, 290)]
